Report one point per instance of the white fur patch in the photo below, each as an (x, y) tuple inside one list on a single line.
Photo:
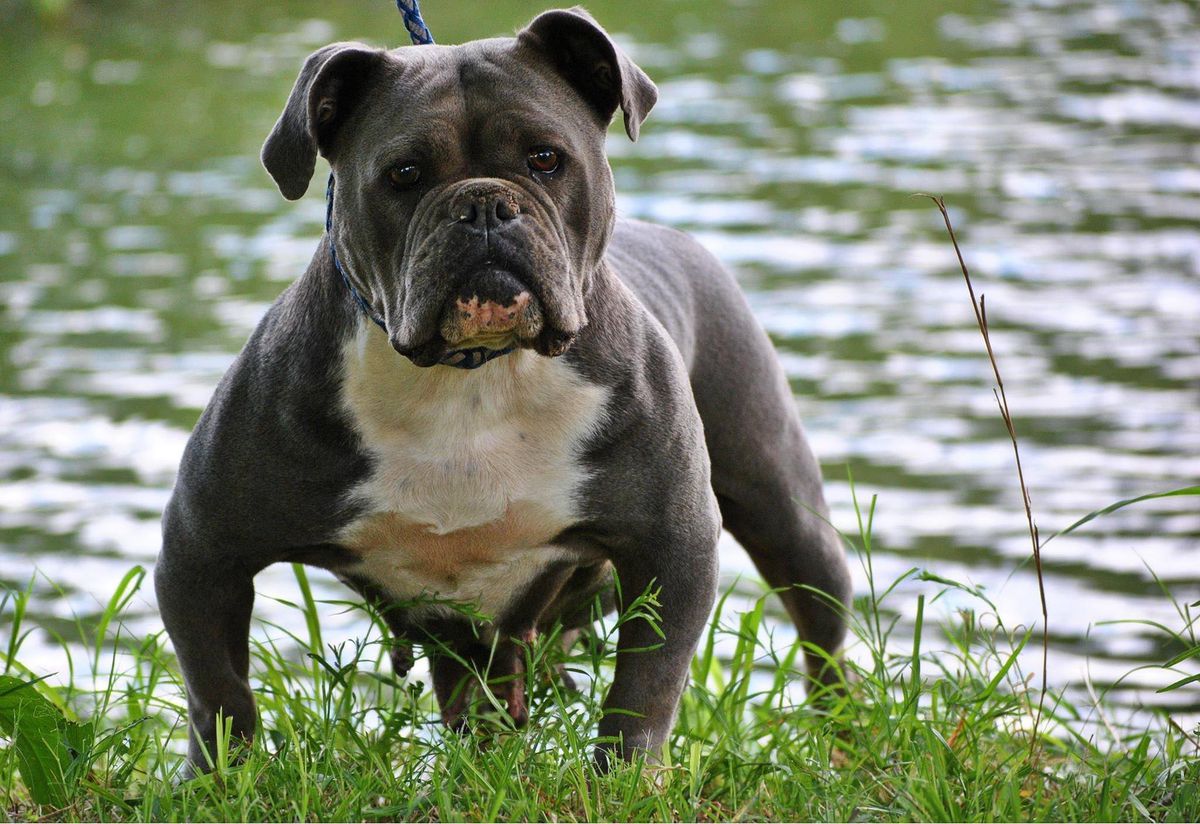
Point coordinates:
[(476, 470)]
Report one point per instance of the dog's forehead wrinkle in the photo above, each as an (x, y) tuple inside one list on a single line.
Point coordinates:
[(499, 75), (521, 125), (417, 140), (476, 120), (414, 100)]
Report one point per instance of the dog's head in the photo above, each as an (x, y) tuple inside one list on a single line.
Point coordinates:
[(473, 195)]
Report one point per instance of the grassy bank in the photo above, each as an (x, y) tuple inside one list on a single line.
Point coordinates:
[(919, 734)]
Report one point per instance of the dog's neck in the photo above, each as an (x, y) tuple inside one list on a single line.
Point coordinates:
[(389, 383)]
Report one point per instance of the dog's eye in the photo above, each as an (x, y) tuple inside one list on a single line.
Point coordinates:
[(402, 176), (543, 160)]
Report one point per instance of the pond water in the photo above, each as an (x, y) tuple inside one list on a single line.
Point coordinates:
[(141, 241)]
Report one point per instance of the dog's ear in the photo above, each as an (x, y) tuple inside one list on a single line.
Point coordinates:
[(325, 91), (587, 57)]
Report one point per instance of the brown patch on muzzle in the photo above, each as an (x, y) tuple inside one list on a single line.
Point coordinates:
[(472, 318)]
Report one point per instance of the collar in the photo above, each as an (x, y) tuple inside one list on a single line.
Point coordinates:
[(471, 358)]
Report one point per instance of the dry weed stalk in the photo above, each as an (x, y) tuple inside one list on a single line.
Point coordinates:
[(1002, 401)]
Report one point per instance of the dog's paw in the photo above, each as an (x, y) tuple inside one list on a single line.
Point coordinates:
[(566, 679), (401, 653), (513, 695)]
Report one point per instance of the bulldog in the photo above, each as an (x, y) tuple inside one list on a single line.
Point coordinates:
[(488, 396)]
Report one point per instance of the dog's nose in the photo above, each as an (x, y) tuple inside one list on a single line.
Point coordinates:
[(484, 206)]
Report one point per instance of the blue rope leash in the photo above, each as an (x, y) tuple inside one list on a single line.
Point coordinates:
[(472, 358), (410, 10), (358, 298)]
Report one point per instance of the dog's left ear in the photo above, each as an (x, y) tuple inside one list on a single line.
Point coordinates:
[(589, 60)]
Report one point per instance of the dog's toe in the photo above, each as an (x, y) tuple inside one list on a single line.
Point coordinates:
[(566, 679), (454, 714), (513, 695), (401, 654)]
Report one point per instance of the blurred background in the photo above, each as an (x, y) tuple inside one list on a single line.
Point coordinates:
[(140, 242)]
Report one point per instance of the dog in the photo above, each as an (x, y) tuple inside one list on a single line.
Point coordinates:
[(487, 389)]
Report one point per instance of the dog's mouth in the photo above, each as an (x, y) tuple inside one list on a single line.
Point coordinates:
[(494, 310)]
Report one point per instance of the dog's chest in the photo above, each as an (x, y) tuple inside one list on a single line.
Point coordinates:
[(474, 473)]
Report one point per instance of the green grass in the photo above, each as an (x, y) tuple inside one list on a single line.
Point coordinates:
[(936, 728)]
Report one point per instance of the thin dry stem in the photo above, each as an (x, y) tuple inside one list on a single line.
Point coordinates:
[(1175, 725), (980, 308)]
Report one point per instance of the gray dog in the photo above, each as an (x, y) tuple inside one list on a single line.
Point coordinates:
[(487, 389)]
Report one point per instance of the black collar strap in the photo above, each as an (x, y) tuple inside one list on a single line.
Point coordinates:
[(472, 358)]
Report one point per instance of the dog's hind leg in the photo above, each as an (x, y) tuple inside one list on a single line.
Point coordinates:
[(394, 616), (453, 685), (506, 677), (768, 485), (767, 482), (796, 553), (458, 667), (206, 604)]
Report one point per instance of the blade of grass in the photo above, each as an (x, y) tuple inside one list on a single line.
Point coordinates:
[(20, 602), (126, 589), (311, 616), (1187, 490)]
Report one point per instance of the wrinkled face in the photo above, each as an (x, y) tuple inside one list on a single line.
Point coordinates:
[(473, 199)]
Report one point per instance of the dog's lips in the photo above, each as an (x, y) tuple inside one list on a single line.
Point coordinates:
[(496, 340), (518, 321), (553, 342), (473, 320), (550, 343), (425, 354)]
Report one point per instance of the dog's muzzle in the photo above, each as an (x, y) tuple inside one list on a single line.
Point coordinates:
[(486, 245)]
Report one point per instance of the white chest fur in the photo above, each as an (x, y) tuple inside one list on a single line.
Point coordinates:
[(475, 471)]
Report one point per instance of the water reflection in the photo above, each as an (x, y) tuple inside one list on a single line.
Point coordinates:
[(141, 243)]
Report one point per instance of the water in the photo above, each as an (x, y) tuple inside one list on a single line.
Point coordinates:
[(141, 241)]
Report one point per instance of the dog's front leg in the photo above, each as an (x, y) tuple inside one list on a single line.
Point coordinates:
[(652, 669), (206, 605)]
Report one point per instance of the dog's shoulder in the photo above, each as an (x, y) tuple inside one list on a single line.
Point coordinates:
[(693, 295), (648, 254), (679, 281), (270, 429)]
